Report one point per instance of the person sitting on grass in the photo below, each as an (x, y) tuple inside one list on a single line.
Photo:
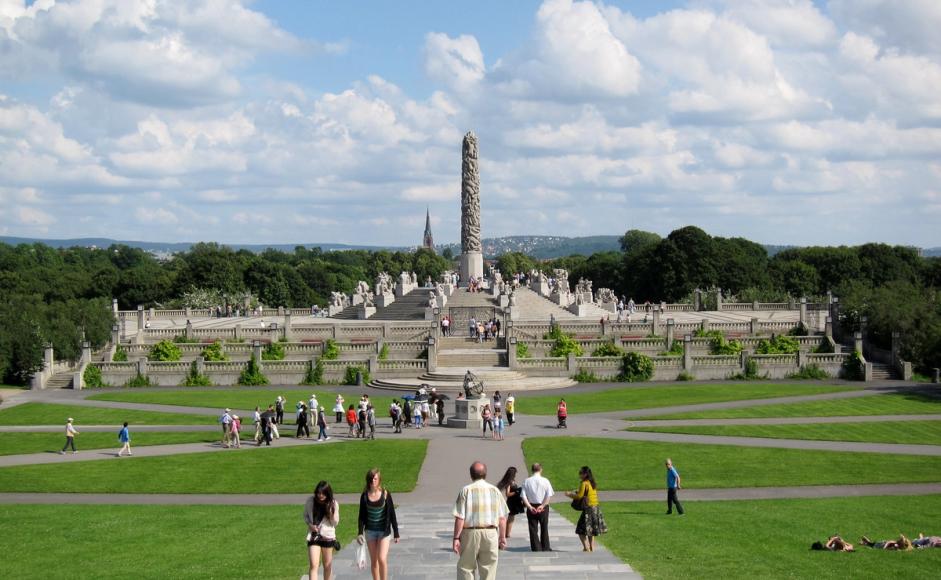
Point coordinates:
[(902, 543), (834, 544)]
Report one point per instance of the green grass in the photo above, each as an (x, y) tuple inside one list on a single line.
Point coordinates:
[(665, 396), (238, 398), (18, 443), (249, 470), (770, 539), (639, 464), (890, 404), (152, 541), (910, 432), (51, 414)]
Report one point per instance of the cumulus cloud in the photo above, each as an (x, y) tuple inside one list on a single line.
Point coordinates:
[(455, 62)]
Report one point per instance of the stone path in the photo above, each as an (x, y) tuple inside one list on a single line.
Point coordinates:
[(424, 552)]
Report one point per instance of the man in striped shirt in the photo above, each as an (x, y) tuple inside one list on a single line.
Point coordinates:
[(479, 526)]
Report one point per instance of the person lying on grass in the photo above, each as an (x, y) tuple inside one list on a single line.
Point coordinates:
[(834, 544), (924, 541), (902, 543)]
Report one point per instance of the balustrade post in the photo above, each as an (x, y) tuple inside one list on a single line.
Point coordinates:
[(828, 327), (432, 354), (655, 325), (753, 326), (803, 311), (189, 330), (688, 353), (858, 342), (286, 332), (139, 339), (671, 329), (718, 299), (511, 352)]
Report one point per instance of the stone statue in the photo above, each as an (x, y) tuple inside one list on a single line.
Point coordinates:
[(383, 284), (431, 300), (584, 286), (338, 299), (578, 299), (473, 387), (606, 296), (512, 298), (414, 279), (561, 281), (470, 196)]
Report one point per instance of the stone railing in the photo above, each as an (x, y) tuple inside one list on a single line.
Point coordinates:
[(418, 365)]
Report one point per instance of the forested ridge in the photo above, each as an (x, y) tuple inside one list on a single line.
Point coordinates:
[(53, 295)]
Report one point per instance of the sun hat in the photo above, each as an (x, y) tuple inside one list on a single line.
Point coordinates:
[(227, 410), (70, 420)]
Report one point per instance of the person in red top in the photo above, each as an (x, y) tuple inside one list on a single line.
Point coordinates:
[(562, 413), (351, 420)]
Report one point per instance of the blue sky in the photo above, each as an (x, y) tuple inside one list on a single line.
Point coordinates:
[(783, 121)]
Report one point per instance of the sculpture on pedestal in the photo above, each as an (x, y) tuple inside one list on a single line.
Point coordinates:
[(470, 196), (473, 387)]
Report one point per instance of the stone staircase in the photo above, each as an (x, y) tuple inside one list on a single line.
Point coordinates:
[(408, 307), (532, 306), (61, 380), (455, 351), (884, 372), (424, 552), (450, 380)]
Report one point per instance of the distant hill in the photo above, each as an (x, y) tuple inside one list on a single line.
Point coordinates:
[(931, 252), (544, 247)]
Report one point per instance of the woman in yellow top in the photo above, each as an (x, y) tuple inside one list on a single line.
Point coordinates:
[(591, 522)]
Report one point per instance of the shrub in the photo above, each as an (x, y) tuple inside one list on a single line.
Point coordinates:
[(583, 376), (252, 375), (675, 350), (330, 350), (165, 351), (685, 376), (636, 367), (181, 339), (314, 374), (799, 330), (283, 339), (274, 351), (214, 352), (778, 345), (853, 368), (812, 372), (424, 353), (93, 379), (120, 355), (608, 349), (195, 379), (384, 352), (717, 342), (824, 347), (750, 373), (349, 378), (138, 381), (522, 350), (564, 344)]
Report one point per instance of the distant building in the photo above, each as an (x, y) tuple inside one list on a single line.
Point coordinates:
[(428, 241)]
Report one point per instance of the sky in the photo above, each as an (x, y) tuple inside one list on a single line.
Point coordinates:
[(277, 121)]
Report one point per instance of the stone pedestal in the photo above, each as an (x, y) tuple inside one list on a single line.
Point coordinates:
[(578, 309), (504, 300), (541, 288), (447, 289), (467, 414), (472, 264), (365, 312), (611, 307), (334, 310), (563, 299), (429, 313), (356, 299), (441, 301), (383, 300)]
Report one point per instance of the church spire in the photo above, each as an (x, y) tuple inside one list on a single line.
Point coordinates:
[(428, 241)]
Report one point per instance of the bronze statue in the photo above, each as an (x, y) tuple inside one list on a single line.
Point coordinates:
[(473, 387)]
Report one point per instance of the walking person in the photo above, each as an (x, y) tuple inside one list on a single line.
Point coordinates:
[(510, 409), (338, 408), (279, 410), (673, 485), (273, 423), (537, 492), (226, 421), (302, 419), (514, 499), (378, 526), (234, 429), (351, 421), (439, 410), (124, 436), (371, 421), (591, 521), (498, 425), (361, 422), (322, 425), (70, 433), (497, 403), (256, 419), (321, 514), (312, 406), (562, 413), (487, 415), (480, 514), (266, 419)]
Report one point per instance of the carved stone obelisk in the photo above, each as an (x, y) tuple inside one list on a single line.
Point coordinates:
[(472, 258)]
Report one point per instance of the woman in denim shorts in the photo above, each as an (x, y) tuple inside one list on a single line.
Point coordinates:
[(377, 524)]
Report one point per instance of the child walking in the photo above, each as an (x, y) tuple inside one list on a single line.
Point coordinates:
[(124, 436), (498, 433)]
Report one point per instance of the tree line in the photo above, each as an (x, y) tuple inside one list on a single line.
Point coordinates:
[(56, 295)]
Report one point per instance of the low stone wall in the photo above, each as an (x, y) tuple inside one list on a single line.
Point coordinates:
[(242, 351)]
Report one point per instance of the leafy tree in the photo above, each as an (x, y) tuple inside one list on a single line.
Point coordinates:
[(165, 351), (252, 375), (214, 352), (636, 367)]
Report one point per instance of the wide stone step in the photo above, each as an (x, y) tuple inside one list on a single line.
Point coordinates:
[(424, 552)]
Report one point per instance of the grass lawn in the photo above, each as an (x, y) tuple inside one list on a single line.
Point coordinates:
[(666, 396), (18, 443), (771, 538), (890, 404), (240, 398), (639, 464), (247, 470), (51, 414), (912, 432), (155, 541)]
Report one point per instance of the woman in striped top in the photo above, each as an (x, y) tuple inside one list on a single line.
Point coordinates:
[(377, 523)]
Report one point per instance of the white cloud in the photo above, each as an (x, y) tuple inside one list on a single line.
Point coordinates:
[(155, 215), (907, 24), (455, 62)]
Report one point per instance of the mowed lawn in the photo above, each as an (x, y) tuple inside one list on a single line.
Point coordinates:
[(243, 399), (619, 399), (157, 541), (771, 539), (915, 403), (54, 414), (628, 465), (247, 470), (907, 432), (19, 443)]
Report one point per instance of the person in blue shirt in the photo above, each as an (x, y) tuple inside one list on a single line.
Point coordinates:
[(124, 436), (673, 484)]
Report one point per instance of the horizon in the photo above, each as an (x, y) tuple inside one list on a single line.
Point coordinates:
[(806, 122)]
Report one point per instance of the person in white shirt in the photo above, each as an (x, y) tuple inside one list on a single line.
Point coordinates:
[(70, 433), (256, 419), (537, 492)]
